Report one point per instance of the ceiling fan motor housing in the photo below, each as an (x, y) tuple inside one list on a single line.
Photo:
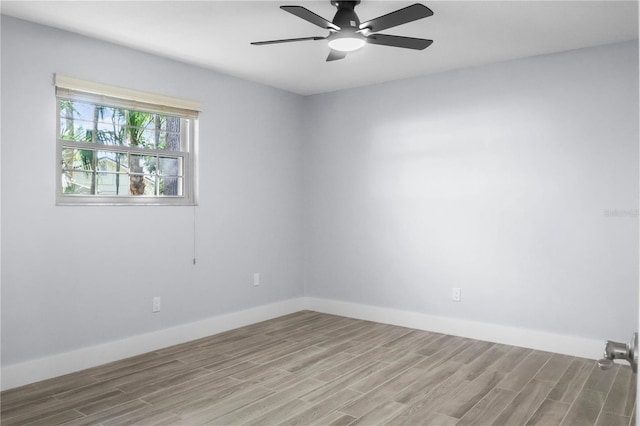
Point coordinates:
[(346, 17)]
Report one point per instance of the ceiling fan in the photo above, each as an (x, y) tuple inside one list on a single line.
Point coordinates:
[(347, 34)]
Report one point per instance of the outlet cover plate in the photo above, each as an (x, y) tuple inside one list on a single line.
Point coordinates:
[(455, 294)]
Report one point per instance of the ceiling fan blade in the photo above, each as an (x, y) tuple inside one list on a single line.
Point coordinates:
[(286, 40), (335, 55), (399, 41), (399, 17), (309, 16)]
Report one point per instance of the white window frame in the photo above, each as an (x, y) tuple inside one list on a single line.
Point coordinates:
[(114, 96)]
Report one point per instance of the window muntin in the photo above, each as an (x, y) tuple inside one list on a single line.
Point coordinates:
[(113, 154)]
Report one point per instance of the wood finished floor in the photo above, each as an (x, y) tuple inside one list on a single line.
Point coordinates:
[(309, 368)]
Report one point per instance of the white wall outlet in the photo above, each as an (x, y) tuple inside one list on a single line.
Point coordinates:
[(256, 279), (156, 304), (455, 294)]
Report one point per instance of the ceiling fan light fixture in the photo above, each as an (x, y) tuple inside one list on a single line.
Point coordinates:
[(346, 44)]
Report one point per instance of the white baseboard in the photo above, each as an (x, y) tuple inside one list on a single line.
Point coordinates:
[(533, 339), (44, 368), (56, 365)]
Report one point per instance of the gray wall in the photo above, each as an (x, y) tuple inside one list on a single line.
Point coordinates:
[(78, 276), (503, 180)]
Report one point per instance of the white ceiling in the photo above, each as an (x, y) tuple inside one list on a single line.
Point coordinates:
[(216, 35)]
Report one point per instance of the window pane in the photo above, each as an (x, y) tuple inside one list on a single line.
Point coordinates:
[(109, 134), (146, 164), (135, 136), (169, 141), (169, 166), (172, 124), (76, 110), (77, 159), (113, 161), (142, 184), (170, 186), (161, 122), (68, 159), (76, 130), (149, 185), (112, 116), (148, 138), (151, 123), (169, 137), (112, 184), (136, 132), (77, 182)]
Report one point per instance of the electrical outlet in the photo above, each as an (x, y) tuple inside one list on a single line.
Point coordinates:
[(455, 294), (156, 304), (256, 279)]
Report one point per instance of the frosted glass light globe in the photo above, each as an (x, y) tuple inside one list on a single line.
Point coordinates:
[(346, 44)]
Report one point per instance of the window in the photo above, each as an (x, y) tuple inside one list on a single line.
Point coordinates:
[(120, 146)]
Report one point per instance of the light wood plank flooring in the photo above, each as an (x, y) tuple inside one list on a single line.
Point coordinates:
[(310, 368)]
